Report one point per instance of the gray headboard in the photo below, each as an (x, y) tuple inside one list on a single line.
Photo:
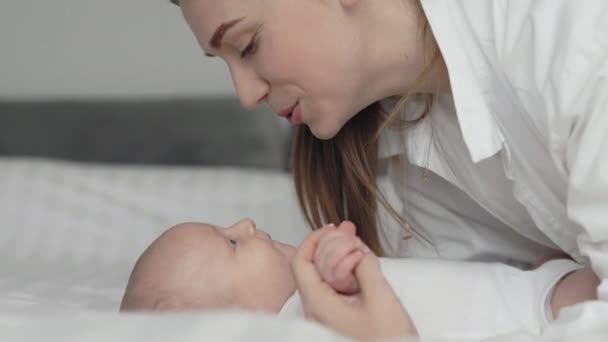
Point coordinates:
[(178, 131)]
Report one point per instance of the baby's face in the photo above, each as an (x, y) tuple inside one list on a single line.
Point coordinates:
[(261, 267), (244, 262)]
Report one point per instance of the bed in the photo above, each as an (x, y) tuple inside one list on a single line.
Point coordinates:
[(86, 186)]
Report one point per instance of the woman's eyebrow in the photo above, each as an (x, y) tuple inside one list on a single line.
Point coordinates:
[(216, 39)]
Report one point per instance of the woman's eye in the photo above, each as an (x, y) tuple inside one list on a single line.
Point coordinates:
[(250, 48)]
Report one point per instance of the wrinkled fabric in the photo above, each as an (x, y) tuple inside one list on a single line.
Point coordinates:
[(513, 165)]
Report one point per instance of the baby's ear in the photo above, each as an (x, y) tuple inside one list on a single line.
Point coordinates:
[(348, 227)]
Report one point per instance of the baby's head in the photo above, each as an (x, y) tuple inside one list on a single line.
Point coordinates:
[(195, 266)]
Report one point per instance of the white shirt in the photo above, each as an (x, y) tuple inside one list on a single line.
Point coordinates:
[(465, 300), (518, 155)]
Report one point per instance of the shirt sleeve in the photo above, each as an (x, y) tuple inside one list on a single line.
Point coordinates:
[(559, 50), (468, 301), (587, 165), (570, 73)]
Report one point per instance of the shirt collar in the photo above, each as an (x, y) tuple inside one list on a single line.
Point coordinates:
[(419, 142), (471, 74), (471, 78)]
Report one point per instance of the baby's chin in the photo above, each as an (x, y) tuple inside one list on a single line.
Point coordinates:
[(288, 251)]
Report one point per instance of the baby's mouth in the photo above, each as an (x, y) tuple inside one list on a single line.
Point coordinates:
[(262, 234)]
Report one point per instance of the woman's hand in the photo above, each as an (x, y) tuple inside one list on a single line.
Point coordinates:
[(576, 287), (377, 314), (338, 253)]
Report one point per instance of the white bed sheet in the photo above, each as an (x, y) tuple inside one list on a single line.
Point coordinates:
[(71, 232), (108, 327)]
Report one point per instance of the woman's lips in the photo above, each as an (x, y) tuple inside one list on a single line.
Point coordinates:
[(287, 111), (293, 114), (296, 115)]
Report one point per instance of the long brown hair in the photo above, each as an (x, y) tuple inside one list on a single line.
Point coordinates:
[(336, 179), (333, 177)]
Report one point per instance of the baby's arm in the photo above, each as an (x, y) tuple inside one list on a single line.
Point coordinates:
[(337, 255)]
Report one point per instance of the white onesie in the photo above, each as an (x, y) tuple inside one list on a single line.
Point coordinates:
[(467, 300)]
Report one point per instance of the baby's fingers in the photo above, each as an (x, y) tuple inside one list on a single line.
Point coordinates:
[(320, 301), (327, 243), (348, 228), (306, 275), (345, 281), (332, 248)]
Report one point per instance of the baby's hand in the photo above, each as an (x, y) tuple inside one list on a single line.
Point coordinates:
[(338, 253)]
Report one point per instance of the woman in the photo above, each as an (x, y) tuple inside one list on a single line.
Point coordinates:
[(492, 115)]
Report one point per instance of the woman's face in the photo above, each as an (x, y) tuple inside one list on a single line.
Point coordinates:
[(302, 57)]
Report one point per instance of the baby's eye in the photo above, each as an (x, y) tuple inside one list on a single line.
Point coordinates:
[(232, 242)]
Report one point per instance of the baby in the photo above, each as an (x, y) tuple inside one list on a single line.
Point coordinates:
[(193, 267), (196, 266)]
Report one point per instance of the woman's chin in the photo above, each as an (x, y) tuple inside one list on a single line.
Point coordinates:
[(323, 132)]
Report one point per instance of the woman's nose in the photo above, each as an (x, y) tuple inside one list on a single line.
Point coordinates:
[(251, 89), (244, 228)]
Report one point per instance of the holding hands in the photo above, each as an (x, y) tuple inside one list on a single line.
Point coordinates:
[(343, 287), (337, 255)]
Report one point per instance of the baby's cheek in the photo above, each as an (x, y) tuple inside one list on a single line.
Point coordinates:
[(283, 282)]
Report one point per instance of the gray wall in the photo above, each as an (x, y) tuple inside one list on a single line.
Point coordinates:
[(102, 48)]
